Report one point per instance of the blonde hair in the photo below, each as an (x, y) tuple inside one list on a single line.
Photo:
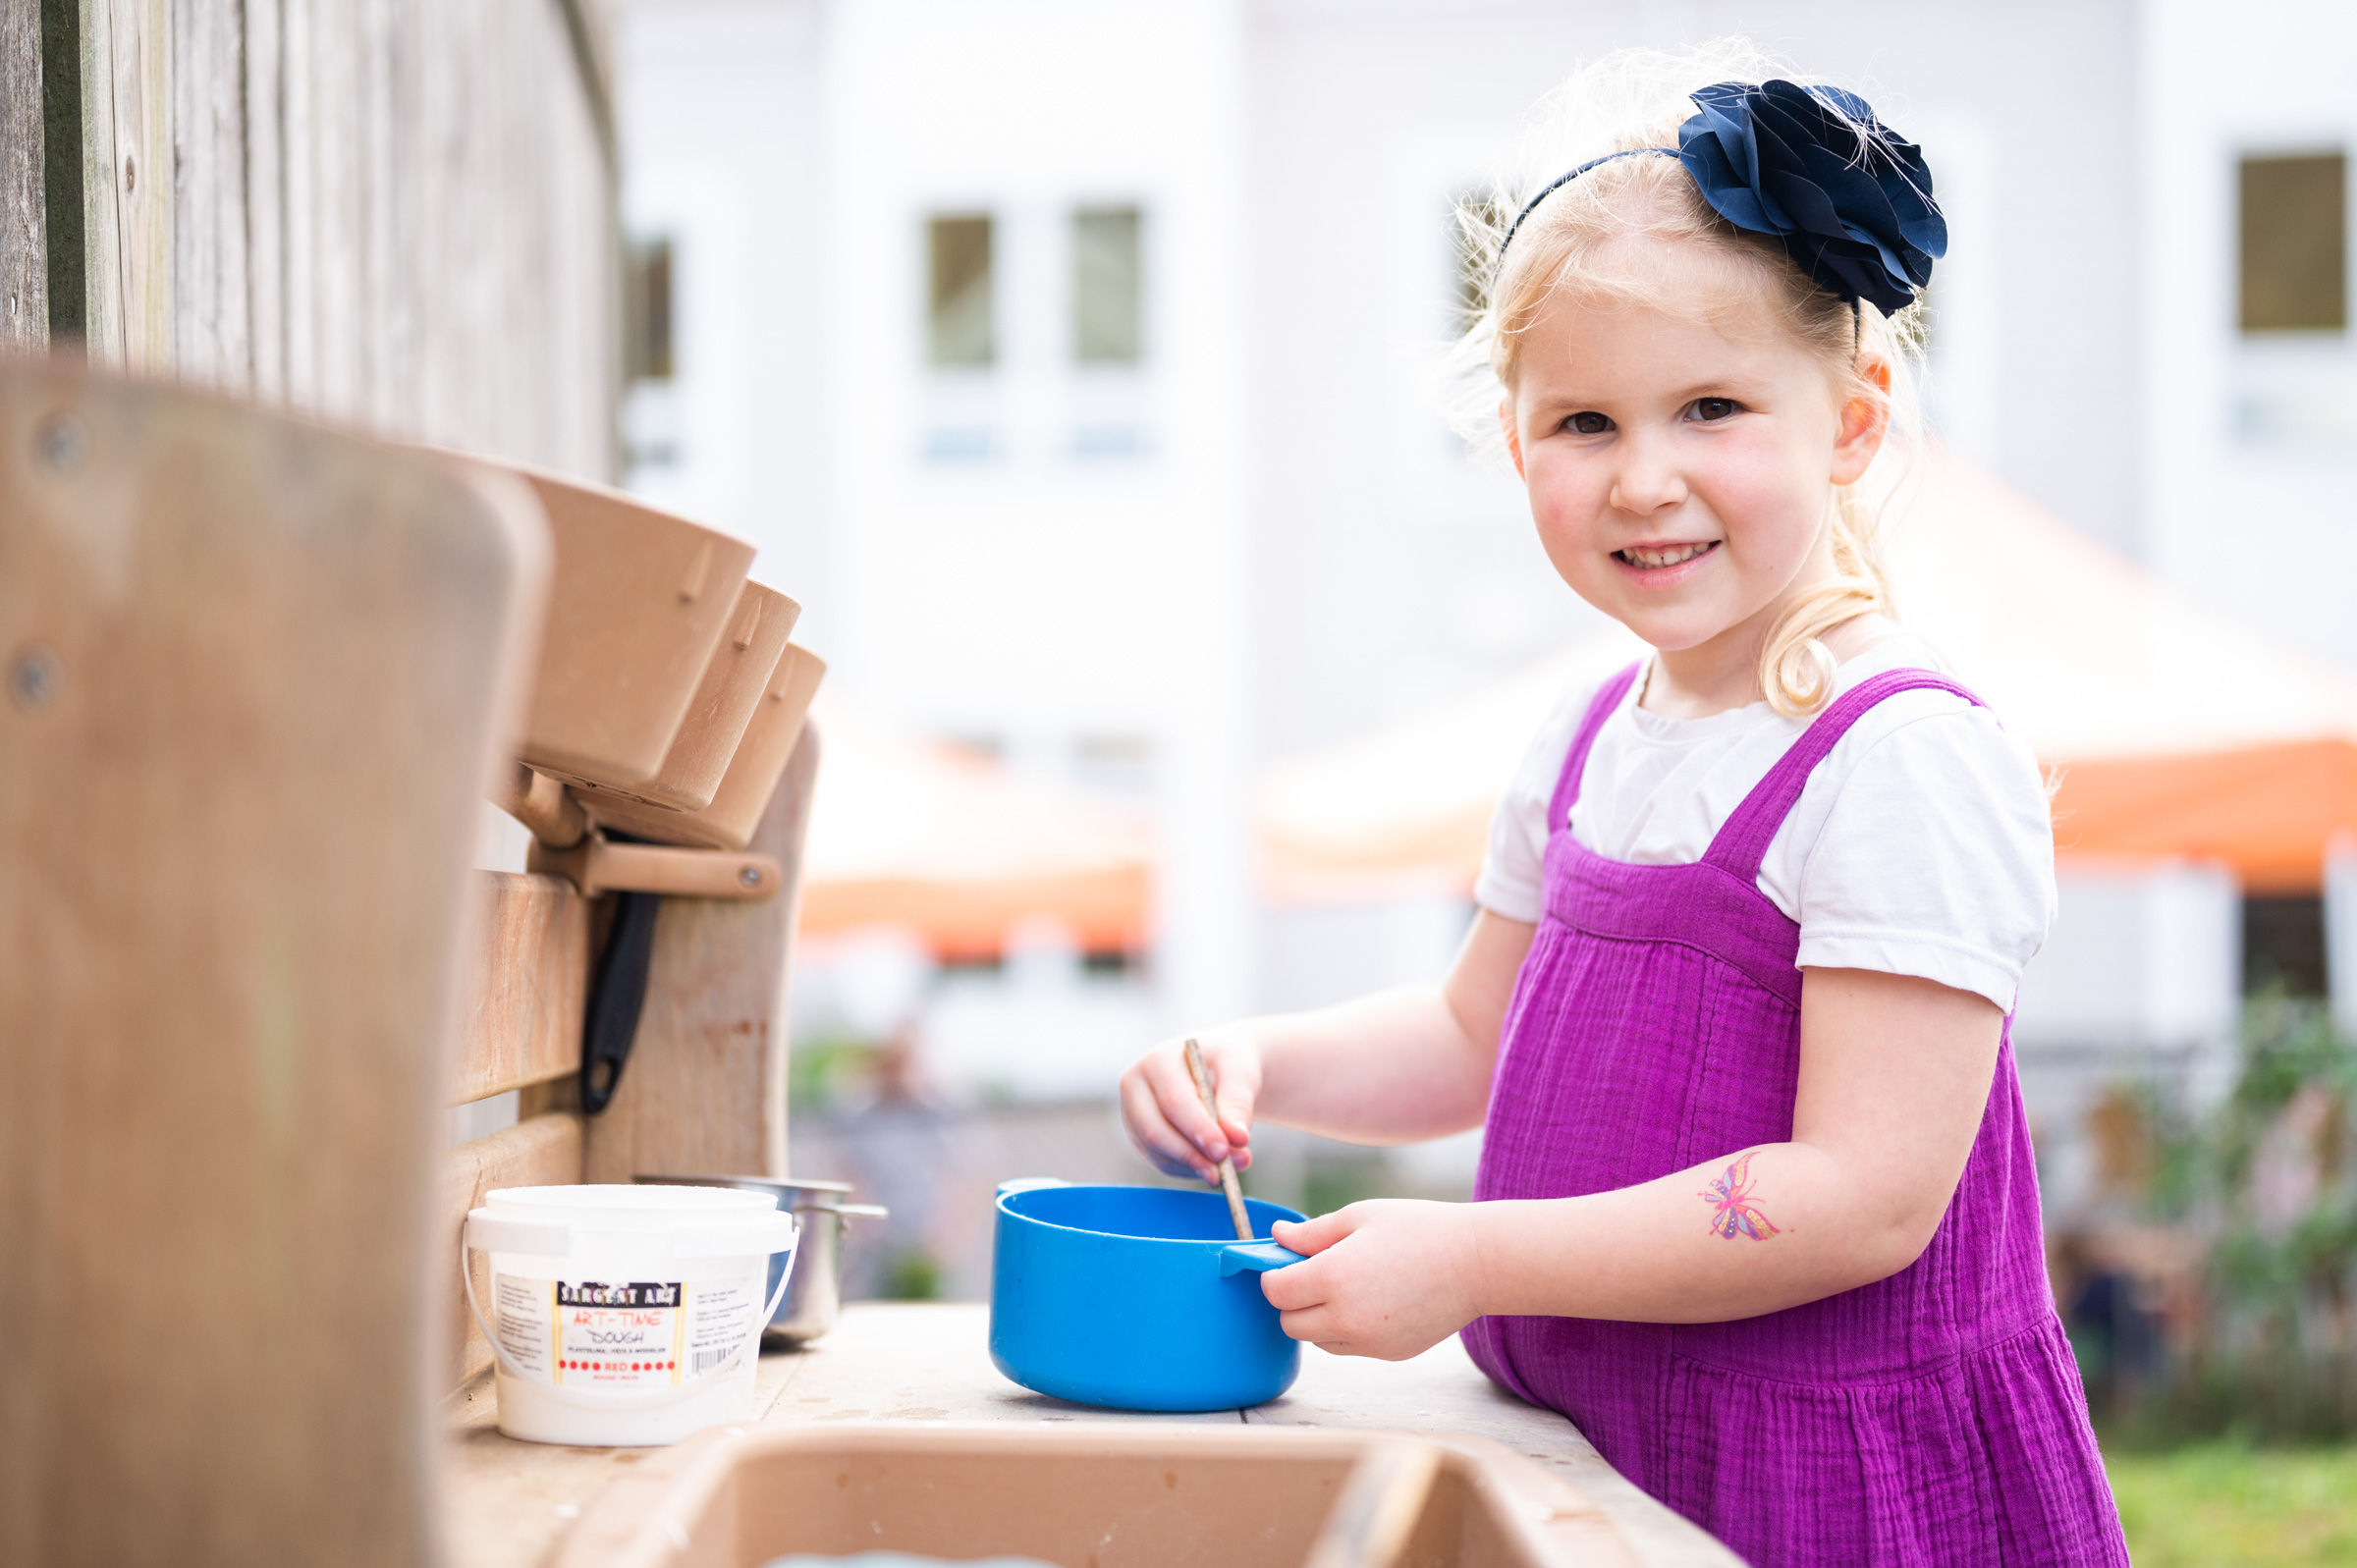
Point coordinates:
[(1578, 240)]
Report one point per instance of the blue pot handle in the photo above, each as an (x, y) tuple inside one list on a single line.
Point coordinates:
[(1257, 1256)]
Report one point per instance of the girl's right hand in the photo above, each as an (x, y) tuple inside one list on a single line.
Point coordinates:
[(1166, 1118)]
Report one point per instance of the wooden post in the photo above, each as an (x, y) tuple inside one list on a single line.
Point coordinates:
[(704, 1093), (254, 678)]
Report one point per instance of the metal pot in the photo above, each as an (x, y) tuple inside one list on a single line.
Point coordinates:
[(814, 1297)]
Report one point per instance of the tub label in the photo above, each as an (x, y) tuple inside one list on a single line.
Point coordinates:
[(623, 1333)]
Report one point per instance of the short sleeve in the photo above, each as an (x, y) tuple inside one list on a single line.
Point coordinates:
[(1513, 867), (1936, 859)]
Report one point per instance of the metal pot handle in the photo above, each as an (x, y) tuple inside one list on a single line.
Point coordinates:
[(846, 1210)]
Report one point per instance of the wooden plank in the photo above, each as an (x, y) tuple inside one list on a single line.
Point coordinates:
[(24, 216), (254, 673), (261, 94), (704, 1092), (301, 154), (526, 976), (543, 1151), (127, 184), (211, 320)]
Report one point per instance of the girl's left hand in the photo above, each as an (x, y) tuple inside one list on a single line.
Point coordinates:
[(1387, 1278)]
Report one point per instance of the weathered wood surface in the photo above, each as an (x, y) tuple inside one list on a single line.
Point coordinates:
[(528, 978), (212, 324), (704, 1092), (543, 1151), (227, 640), (127, 184), (511, 1503), (24, 221), (399, 216)]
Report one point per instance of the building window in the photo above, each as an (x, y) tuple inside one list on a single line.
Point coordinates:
[(2294, 244), (1107, 290), (2283, 946), (960, 318), (647, 309)]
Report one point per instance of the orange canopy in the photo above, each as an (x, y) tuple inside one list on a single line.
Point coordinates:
[(2175, 730), (955, 845)]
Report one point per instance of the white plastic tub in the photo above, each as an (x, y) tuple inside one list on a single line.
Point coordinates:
[(626, 1316)]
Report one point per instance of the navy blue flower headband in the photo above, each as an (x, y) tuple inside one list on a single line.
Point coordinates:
[(1854, 212)]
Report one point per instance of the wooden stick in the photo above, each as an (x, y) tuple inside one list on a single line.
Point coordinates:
[(1228, 1185), (542, 804)]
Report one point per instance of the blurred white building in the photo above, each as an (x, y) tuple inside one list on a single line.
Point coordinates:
[(1069, 360)]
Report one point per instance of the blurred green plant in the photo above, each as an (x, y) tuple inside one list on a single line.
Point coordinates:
[(913, 1275), (2264, 1346), (1337, 1182), (822, 1073)]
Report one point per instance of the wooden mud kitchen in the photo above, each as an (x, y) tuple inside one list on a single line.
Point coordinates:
[(268, 646)]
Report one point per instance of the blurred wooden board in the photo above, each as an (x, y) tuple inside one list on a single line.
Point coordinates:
[(921, 1363), (705, 1088), (528, 978), (543, 1151), (251, 675)]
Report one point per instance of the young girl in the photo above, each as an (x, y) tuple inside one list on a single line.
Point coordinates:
[(1756, 1206)]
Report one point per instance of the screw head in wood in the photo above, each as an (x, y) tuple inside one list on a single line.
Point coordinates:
[(35, 676), (63, 441)]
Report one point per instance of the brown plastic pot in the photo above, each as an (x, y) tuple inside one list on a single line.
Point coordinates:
[(734, 684), (637, 603), (728, 823)]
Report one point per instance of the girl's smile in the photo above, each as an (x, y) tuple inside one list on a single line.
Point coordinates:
[(1655, 566)]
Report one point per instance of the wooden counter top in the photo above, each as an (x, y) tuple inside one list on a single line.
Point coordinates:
[(923, 1362)]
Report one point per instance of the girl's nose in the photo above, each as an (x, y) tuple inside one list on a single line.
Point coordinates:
[(1647, 477)]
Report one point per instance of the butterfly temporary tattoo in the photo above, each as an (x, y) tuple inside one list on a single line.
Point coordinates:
[(1735, 1216)]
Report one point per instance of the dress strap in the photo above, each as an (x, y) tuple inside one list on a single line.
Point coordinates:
[(1567, 787), (1743, 838)]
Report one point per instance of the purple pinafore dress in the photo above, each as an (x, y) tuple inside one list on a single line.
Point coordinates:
[(1933, 1416)]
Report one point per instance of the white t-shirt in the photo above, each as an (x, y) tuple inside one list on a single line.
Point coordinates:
[(1922, 845)]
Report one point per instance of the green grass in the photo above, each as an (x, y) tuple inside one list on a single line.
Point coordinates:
[(2226, 1504)]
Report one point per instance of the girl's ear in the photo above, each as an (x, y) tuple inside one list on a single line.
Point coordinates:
[(1865, 422), (1513, 437)]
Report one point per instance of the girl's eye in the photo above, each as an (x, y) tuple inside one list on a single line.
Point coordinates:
[(1710, 409), (1588, 423)]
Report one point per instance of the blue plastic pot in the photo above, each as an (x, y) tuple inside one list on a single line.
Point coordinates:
[(1138, 1298)]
